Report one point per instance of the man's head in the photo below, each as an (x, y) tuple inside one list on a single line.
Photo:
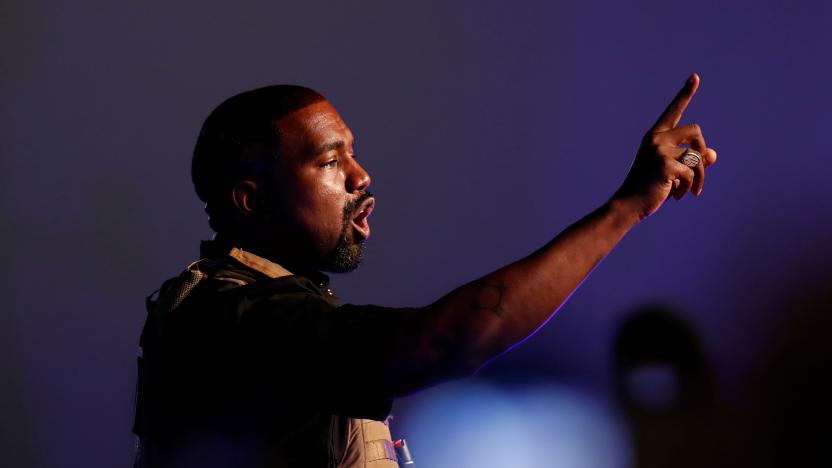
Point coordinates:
[(277, 171)]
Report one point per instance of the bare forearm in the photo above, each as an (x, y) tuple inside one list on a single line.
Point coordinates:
[(506, 306)]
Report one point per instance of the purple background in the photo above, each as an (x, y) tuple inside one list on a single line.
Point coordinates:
[(487, 127)]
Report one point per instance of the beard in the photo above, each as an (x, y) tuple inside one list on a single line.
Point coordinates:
[(349, 252)]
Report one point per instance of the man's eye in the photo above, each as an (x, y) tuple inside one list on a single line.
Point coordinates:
[(329, 163)]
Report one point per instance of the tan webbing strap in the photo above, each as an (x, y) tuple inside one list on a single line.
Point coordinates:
[(236, 281), (379, 451), (268, 268), (375, 430)]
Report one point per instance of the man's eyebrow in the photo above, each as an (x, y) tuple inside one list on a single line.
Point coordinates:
[(329, 146)]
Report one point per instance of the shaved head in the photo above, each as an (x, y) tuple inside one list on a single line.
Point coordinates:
[(239, 140)]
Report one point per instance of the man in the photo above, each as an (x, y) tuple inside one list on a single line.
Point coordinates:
[(248, 360)]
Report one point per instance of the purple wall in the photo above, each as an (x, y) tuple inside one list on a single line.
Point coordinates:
[(487, 128)]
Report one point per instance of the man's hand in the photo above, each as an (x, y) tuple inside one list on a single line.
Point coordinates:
[(657, 172)]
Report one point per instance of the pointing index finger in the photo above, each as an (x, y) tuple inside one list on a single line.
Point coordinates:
[(671, 116)]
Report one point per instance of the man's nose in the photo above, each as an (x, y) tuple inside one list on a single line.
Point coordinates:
[(358, 178)]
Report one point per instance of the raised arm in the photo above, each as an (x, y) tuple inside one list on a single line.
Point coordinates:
[(478, 321)]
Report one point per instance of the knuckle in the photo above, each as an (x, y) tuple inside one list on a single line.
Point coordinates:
[(696, 128), (654, 139)]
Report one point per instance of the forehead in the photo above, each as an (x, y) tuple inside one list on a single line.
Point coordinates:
[(305, 130)]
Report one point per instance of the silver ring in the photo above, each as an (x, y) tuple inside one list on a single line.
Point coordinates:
[(691, 158)]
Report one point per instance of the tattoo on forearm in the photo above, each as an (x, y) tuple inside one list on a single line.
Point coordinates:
[(490, 297)]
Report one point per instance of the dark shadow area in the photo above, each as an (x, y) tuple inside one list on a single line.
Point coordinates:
[(666, 387), (785, 420), (18, 34)]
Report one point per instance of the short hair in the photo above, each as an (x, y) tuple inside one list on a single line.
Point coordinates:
[(235, 138)]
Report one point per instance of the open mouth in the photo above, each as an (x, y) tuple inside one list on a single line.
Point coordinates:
[(359, 221)]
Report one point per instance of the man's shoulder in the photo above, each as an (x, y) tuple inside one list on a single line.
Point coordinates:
[(227, 277), (224, 281)]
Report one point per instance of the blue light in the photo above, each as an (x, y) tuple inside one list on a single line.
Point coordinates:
[(475, 425)]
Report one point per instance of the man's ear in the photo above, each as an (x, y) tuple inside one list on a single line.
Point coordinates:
[(248, 197)]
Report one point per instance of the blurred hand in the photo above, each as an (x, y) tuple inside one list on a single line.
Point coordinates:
[(657, 172)]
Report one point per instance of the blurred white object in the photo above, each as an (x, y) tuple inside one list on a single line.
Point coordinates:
[(468, 425)]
